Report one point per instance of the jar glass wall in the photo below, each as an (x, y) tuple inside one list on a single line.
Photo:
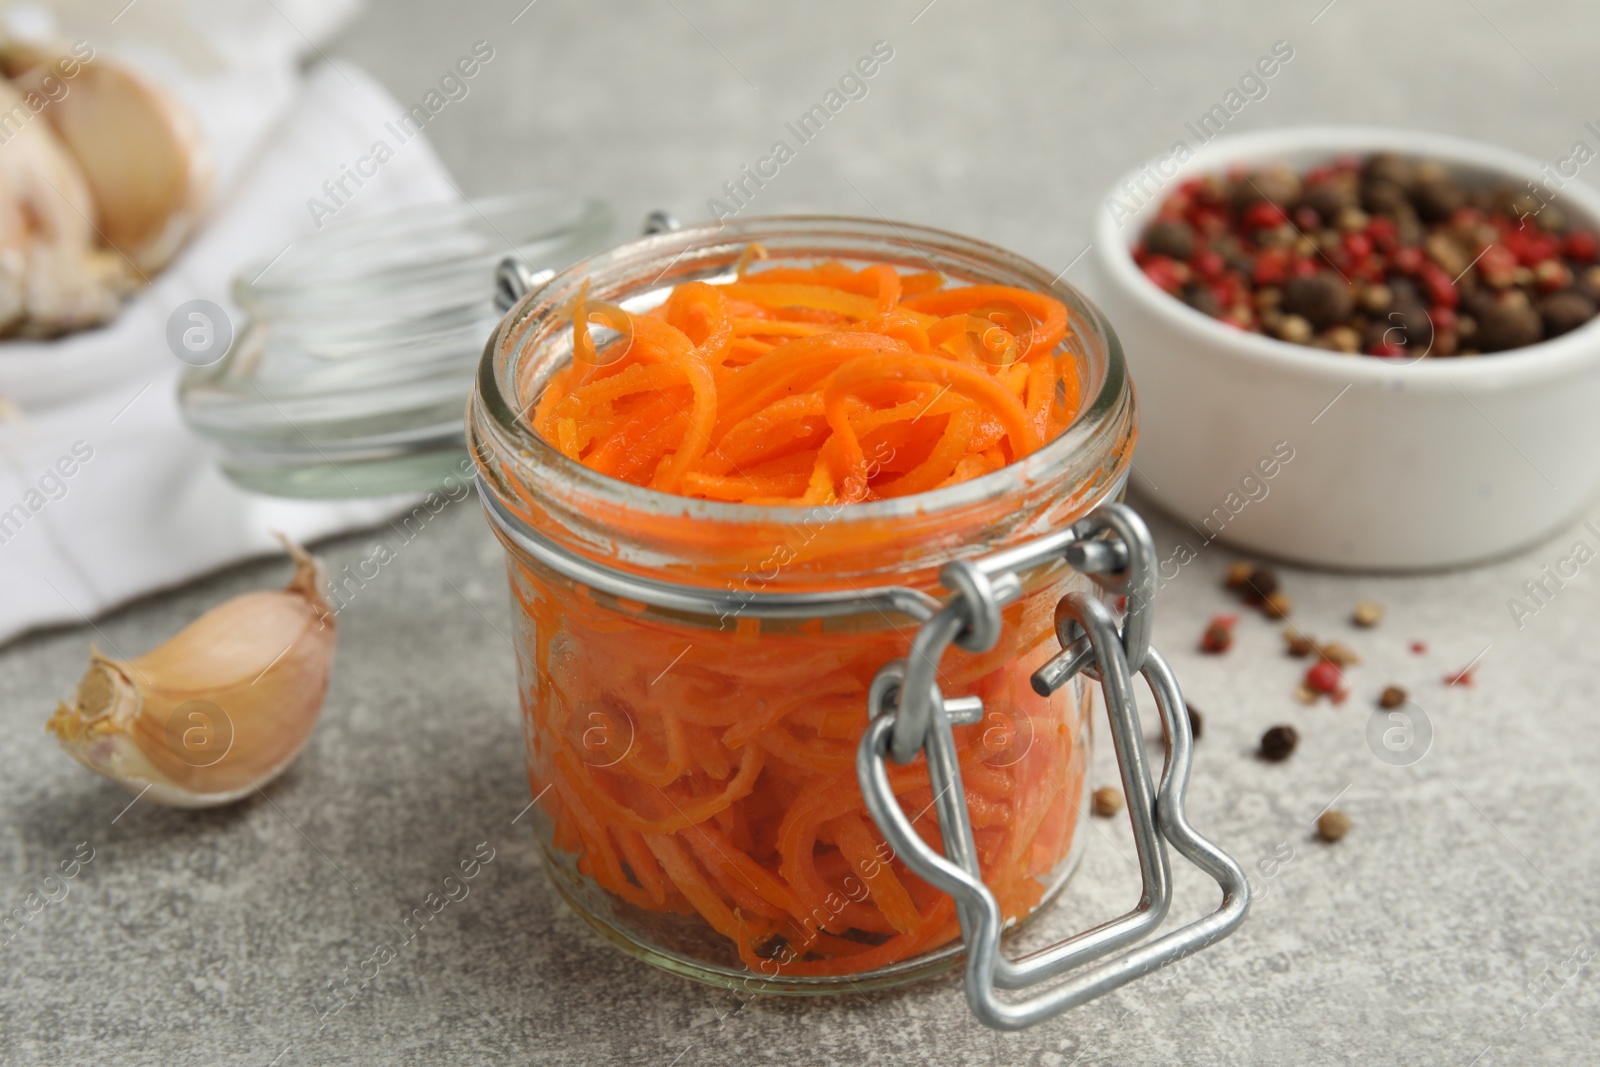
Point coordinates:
[(695, 766)]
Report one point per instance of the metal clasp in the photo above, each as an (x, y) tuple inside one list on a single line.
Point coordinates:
[(909, 714)]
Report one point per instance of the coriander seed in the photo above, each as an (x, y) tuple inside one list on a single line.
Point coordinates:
[(1107, 801), (1332, 825)]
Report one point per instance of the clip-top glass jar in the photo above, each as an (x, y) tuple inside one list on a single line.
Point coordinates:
[(694, 762)]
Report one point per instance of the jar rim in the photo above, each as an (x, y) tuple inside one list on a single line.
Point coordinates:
[(681, 252)]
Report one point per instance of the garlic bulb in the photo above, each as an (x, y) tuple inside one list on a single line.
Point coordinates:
[(141, 153), (53, 277), (222, 707)]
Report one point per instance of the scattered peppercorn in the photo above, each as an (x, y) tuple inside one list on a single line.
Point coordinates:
[(1461, 677), (1218, 635), (1392, 697), (1196, 721), (1324, 677), (1418, 648), (1262, 582), (1278, 743), (1338, 653), (1277, 606), (1368, 613), (1297, 643), (1107, 801), (1332, 825), (1238, 575), (1389, 256)]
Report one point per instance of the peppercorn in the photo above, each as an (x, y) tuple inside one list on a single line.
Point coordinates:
[(1392, 697), (1322, 299), (1294, 329), (1338, 653), (1551, 275), (1218, 635), (1409, 327), (1202, 299), (1278, 743), (1277, 185), (1297, 643), (1277, 606), (1328, 198), (1107, 801), (1507, 321), (1324, 677), (1565, 311), (1170, 237), (1388, 166), (1384, 198), (1437, 198), (1258, 582), (1376, 298), (1344, 339), (1368, 613), (1196, 721), (1332, 825)]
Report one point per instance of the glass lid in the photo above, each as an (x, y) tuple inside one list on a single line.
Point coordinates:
[(352, 370)]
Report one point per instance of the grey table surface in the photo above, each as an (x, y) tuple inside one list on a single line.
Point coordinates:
[(1455, 923)]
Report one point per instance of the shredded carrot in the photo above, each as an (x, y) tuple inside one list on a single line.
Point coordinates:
[(805, 364), (712, 773)]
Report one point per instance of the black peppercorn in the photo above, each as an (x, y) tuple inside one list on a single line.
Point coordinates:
[(1385, 198), (1438, 198), (1388, 167), (1322, 299), (1409, 323), (1170, 237), (1202, 299), (1565, 311), (1261, 583), (1328, 198), (1507, 321), (1278, 184), (1278, 742)]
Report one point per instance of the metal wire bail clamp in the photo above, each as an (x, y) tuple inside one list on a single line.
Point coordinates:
[(909, 714)]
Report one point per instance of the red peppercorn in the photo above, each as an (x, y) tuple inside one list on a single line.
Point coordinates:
[(1441, 288), (1209, 221), (1359, 245), (1497, 264), (1306, 218), (1383, 232), (1582, 246), (1167, 273), (1271, 266), (1418, 648), (1305, 268), (1444, 318), (1263, 215), (1218, 635), (1208, 264), (1324, 677), (1408, 260), (1535, 247), (1387, 349)]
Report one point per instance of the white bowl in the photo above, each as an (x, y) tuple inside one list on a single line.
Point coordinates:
[(1430, 463)]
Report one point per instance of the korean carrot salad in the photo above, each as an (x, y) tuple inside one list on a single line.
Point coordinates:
[(705, 777)]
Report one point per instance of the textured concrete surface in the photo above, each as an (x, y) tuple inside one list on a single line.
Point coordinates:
[(1455, 924)]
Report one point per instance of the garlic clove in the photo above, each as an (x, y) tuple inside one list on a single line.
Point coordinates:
[(222, 707), (142, 153)]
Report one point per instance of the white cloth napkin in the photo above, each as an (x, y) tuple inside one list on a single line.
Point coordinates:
[(104, 494)]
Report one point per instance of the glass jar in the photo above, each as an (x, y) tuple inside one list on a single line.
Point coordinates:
[(693, 761)]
